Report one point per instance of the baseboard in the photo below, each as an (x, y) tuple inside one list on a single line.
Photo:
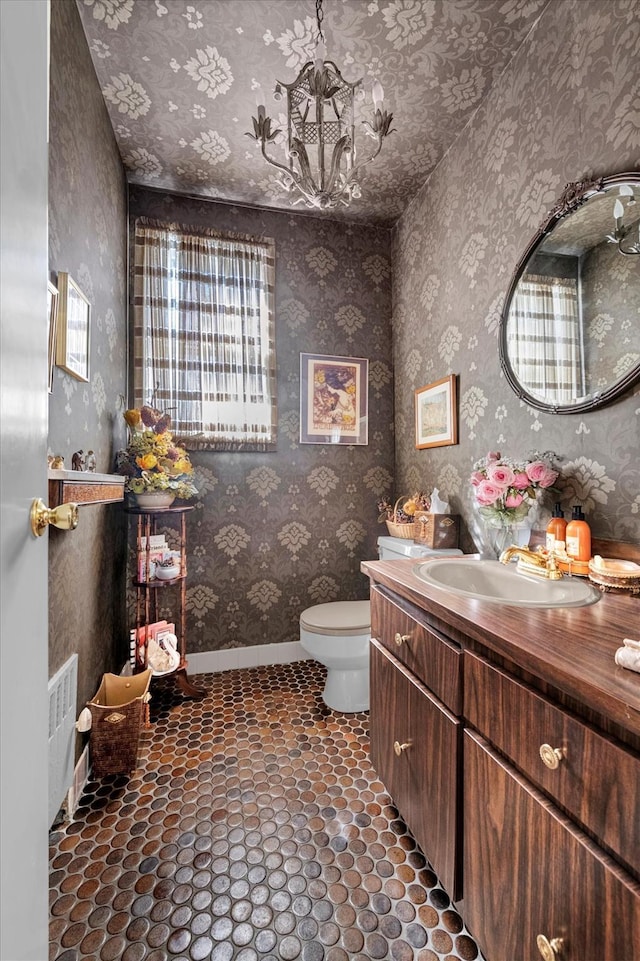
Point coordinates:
[(260, 655), (80, 778)]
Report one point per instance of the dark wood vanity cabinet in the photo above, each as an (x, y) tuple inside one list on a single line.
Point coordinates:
[(415, 739), (536, 883)]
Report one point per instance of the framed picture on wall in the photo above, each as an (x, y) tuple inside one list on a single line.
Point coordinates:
[(74, 315), (436, 414), (52, 320), (333, 399)]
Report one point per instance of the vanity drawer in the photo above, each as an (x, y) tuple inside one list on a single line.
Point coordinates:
[(594, 779), (432, 658)]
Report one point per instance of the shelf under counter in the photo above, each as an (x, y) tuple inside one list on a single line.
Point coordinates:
[(84, 488)]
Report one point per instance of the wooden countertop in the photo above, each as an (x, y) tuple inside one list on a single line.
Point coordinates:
[(571, 649)]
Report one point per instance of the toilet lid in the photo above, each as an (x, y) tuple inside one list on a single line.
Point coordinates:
[(338, 617)]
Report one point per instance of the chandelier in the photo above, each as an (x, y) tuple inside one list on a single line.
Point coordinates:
[(321, 147), (621, 233)]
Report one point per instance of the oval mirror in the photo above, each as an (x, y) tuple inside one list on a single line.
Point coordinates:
[(570, 328)]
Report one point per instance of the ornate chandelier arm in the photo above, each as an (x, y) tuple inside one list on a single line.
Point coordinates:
[(380, 129)]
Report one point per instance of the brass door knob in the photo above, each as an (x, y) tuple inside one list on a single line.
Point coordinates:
[(551, 756), (65, 517), (550, 950), (398, 748), (401, 638)]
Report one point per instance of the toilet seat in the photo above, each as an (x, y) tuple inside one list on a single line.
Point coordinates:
[(338, 618)]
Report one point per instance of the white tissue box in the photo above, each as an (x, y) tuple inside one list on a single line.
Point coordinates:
[(438, 531)]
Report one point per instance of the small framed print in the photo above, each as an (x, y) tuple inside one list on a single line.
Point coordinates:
[(52, 320), (333, 399), (74, 315), (436, 414)]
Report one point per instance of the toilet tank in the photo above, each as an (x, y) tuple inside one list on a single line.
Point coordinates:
[(400, 548)]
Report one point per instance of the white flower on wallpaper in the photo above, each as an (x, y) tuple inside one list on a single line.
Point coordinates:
[(513, 10), (100, 49), (449, 481), (210, 71), (473, 404), (85, 283), (413, 364), (585, 482), (429, 291), (113, 12), (380, 376), (625, 364), (494, 315), (323, 589), (599, 327), (205, 480), (536, 198), (500, 146), (464, 91), (128, 96), (294, 537), (410, 247), (289, 427), (212, 147), (472, 254), (449, 344), (377, 269), (297, 45), (263, 595), (193, 18), (350, 318), (98, 393), (201, 600), (635, 505), (407, 21), (321, 261), (140, 161), (351, 533), (378, 480), (263, 481), (294, 313), (232, 539), (111, 329), (322, 481)]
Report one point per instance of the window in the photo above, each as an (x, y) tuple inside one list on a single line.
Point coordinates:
[(204, 335)]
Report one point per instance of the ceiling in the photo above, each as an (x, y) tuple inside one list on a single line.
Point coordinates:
[(179, 80)]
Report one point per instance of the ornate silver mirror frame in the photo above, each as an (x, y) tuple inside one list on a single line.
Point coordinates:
[(570, 327)]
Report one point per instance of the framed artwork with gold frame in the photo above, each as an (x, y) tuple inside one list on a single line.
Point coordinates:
[(74, 315), (52, 321), (436, 414)]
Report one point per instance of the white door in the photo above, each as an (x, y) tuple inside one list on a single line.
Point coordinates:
[(23, 445)]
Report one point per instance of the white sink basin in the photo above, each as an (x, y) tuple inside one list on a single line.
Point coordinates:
[(501, 584)]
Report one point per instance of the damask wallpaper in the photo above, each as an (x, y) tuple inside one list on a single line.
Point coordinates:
[(275, 533), (87, 239), (564, 109)]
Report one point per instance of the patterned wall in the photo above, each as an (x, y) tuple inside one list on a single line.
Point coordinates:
[(87, 238), (563, 110), (275, 533)]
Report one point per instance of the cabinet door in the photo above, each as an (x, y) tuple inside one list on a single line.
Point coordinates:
[(528, 872), (415, 748)]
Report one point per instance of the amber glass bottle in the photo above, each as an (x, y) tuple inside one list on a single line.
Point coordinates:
[(578, 536)]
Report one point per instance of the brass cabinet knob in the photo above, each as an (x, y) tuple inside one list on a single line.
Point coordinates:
[(65, 516), (401, 638), (550, 950), (551, 756), (399, 748)]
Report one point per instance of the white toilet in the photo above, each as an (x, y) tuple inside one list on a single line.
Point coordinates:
[(338, 633)]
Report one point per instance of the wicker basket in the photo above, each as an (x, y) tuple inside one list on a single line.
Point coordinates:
[(117, 711), (397, 529)]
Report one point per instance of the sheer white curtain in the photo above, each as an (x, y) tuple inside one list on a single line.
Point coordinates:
[(204, 334), (545, 338)]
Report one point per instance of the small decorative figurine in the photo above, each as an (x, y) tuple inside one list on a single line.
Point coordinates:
[(90, 462), (77, 461), (57, 462)]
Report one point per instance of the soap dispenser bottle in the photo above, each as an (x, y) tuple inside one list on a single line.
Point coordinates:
[(578, 536), (556, 530)]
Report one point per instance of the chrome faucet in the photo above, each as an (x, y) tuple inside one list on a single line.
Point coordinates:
[(539, 562)]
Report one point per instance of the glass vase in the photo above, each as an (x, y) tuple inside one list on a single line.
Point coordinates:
[(499, 536)]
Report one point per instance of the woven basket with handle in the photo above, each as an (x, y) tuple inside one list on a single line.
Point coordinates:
[(395, 528)]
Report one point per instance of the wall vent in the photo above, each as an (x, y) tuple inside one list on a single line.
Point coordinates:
[(63, 688)]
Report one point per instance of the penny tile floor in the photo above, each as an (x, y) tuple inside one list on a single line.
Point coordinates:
[(253, 829)]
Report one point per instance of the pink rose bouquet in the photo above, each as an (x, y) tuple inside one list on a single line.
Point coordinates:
[(504, 489)]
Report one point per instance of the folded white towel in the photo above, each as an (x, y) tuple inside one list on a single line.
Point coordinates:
[(629, 655)]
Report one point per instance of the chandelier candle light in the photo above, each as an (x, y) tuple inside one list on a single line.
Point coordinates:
[(321, 116), (621, 233)]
